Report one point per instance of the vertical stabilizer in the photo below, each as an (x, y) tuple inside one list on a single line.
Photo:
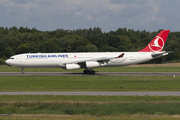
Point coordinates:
[(157, 44)]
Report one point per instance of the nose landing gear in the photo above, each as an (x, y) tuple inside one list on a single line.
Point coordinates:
[(22, 70), (89, 71)]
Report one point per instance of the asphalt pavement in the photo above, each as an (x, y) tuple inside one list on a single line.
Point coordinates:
[(97, 73)]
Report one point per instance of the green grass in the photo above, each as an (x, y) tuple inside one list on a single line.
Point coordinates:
[(89, 107), (93, 99), (93, 109), (87, 117), (102, 69), (89, 83)]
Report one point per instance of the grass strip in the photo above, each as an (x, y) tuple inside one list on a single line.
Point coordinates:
[(87, 117), (84, 99), (112, 109), (75, 108), (90, 83)]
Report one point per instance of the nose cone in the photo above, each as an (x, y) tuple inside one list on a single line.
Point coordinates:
[(8, 62)]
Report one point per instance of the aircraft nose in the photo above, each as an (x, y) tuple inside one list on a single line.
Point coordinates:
[(7, 62)]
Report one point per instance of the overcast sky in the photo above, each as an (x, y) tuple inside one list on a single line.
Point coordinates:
[(149, 15)]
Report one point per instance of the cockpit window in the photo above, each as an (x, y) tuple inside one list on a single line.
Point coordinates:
[(11, 58)]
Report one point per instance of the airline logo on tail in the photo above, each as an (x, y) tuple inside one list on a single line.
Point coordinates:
[(157, 44)]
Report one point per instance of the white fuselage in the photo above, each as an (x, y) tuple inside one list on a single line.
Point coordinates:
[(36, 60)]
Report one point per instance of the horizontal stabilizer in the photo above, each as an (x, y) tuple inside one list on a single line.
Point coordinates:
[(160, 54)]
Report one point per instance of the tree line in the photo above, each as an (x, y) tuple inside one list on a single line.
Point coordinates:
[(25, 40)]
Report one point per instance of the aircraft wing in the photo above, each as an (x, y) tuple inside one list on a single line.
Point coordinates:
[(101, 59)]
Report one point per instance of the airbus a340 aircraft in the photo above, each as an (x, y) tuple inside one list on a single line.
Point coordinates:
[(72, 61)]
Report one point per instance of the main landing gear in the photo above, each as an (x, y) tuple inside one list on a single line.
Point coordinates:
[(89, 71), (22, 70)]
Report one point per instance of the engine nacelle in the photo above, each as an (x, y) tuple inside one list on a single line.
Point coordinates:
[(72, 66), (92, 64)]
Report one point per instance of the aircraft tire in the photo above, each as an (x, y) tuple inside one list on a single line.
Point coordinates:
[(85, 71), (92, 72)]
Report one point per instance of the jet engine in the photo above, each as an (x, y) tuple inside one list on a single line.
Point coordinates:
[(92, 64), (72, 66)]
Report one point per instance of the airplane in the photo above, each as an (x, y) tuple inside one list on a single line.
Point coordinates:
[(90, 60)]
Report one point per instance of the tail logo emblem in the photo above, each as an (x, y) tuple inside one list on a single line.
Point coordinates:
[(157, 44)]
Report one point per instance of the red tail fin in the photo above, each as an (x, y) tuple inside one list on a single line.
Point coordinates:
[(157, 43)]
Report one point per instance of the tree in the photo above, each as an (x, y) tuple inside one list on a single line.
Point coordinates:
[(70, 43), (2, 48), (24, 48), (14, 28), (90, 48), (52, 47), (9, 52)]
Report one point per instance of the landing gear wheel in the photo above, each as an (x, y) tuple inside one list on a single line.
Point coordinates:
[(85, 71), (92, 72), (22, 71), (89, 71)]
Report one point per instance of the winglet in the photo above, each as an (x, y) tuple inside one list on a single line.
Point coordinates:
[(157, 44), (121, 55)]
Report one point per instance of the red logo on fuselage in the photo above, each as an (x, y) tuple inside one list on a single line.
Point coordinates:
[(157, 44)]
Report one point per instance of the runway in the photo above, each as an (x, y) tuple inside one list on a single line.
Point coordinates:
[(96, 93), (98, 73), (93, 93)]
